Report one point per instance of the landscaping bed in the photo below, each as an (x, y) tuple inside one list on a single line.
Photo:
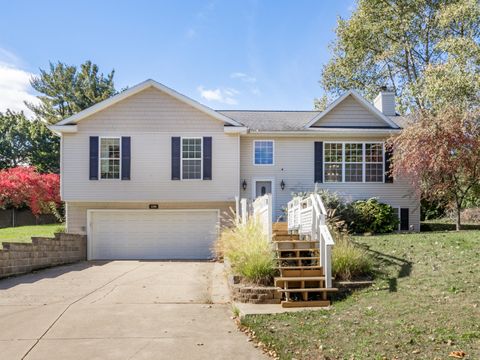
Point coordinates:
[(424, 304)]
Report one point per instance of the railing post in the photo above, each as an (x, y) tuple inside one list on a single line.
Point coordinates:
[(270, 216), (244, 207), (328, 266), (237, 210)]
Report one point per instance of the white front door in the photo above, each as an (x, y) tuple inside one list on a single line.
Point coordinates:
[(151, 234), (263, 188)]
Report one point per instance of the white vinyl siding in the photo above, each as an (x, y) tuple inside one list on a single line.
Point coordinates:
[(294, 164), (151, 118), (350, 113)]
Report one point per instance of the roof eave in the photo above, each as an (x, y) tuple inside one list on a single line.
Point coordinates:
[(138, 88)]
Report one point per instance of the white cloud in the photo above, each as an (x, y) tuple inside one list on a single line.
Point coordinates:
[(15, 88), (243, 77), (224, 96)]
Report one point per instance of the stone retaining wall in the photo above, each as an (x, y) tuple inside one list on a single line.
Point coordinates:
[(255, 294), (43, 252)]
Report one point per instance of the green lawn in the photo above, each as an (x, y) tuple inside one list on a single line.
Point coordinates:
[(24, 233), (425, 304)]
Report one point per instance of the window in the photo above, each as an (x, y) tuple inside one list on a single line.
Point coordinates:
[(396, 213), (191, 158), (109, 158), (353, 162), (374, 163), (263, 152), (333, 162)]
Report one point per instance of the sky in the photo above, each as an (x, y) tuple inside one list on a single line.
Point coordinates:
[(226, 54)]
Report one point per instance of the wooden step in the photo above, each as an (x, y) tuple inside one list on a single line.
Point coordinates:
[(289, 272), (306, 267), (280, 226), (308, 290), (299, 278), (287, 245), (316, 257), (306, 249), (281, 237), (313, 303), (294, 241)]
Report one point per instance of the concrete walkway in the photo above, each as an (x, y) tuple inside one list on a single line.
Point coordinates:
[(121, 310)]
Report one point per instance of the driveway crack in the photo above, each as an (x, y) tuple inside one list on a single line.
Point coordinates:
[(73, 303)]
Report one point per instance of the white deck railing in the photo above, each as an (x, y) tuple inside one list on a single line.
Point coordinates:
[(307, 217), (262, 212)]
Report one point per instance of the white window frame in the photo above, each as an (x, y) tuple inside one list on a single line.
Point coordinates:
[(273, 152), (100, 138), (363, 162), (342, 163), (201, 157)]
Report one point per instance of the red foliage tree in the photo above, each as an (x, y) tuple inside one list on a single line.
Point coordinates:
[(440, 154), (25, 187)]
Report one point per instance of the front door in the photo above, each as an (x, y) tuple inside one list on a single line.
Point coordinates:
[(262, 188)]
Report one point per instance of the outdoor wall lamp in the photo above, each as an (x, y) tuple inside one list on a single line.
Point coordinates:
[(244, 184), (282, 185)]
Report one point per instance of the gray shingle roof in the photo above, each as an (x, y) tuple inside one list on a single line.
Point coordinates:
[(271, 120)]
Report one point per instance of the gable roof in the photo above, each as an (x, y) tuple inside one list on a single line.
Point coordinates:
[(266, 120), (135, 90), (362, 101)]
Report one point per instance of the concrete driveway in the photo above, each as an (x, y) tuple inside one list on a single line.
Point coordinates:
[(120, 310)]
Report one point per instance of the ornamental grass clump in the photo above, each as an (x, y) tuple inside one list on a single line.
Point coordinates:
[(350, 261), (248, 250)]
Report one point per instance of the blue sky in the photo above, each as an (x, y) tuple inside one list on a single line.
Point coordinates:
[(226, 54)]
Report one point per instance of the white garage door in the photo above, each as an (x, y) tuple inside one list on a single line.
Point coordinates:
[(154, 234)]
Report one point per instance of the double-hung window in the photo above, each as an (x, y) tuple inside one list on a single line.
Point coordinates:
[(263, 152), (333, 162), (109, 158), (191, 158), (353, 162), (374, 162)]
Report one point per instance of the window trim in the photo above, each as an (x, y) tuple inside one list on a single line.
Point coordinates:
[(100, 138), (273, 152), (363, 162), (181, 157)]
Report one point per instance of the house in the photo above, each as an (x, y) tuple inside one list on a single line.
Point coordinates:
[(148, 173)]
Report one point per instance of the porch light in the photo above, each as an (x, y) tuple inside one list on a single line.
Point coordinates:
[(244, 184), (282, 185)]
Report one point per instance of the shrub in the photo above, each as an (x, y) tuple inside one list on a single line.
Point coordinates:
[(24, 187), (471, 215), (372, 216), (349, 260), (249, 251)]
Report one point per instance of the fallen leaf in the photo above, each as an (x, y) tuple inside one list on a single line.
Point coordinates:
[(457, 354)]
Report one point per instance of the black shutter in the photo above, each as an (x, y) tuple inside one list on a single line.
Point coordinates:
[(388, 166), (93, 157), (404, 221), (318, 161), (126, 156), (175, 158), (207, 158)]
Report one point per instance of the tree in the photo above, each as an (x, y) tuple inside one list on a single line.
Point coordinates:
[(427, 51), (27, 142), (25, 187), (67, 90), (15, 140), (440, 155)]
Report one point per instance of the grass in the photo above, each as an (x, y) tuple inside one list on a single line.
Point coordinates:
[(349, 260), (24, 233), (425, 303)]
